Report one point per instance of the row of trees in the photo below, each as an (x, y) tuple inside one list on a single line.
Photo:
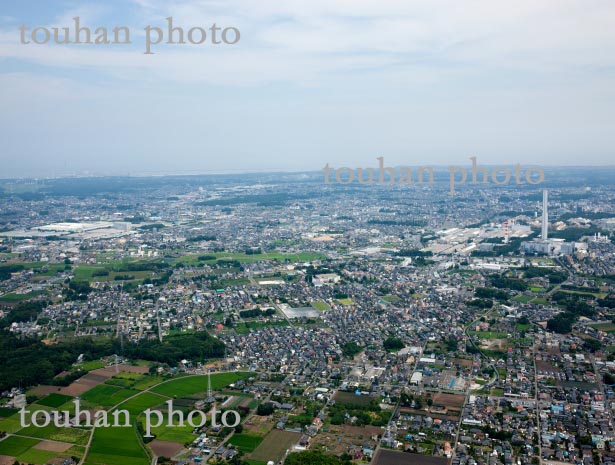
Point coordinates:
[(23, 311), (256, 312), (27, 362), (574, 308)]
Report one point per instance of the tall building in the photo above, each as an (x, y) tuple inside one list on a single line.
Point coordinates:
[(544, 245), (545, 215)]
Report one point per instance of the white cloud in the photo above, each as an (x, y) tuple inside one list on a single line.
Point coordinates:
[(433, 79), (307, 41)]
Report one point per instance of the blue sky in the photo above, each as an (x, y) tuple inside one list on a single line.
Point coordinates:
[(310, 82)]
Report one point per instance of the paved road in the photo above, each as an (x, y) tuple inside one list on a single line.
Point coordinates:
[(495, 371), (467, 392), (537, 404)]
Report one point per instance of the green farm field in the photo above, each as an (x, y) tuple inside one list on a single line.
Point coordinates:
[(54, 400), (142, 402), (116, 446), (107, 395), (246, 443), (14, 445), (53, 433), (191, 385)]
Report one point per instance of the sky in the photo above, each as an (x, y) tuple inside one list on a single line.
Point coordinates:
[(310, 82)]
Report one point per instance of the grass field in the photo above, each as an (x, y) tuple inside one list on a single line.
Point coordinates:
[(7, 412), (37, 456), (110, 268), (8, 255), (120, 382), (274, 446), (15, 445), (116, 446), (142, 402), (126, 379), (606, 327), (597, 295), (190, 385), (86, 273), (320, 305), (76, 451), (253, 404), (489, 334), (107, 395), (345, 301), (54, 400), (18, 297), (10, 424), (524, 341), (246, 443), (52, 432), (246, 326), (176, 433), (522, 298), (91, 365), (147, 382)]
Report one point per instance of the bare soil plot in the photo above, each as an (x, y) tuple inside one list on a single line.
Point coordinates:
[(110, 371), (274, 446), (494, 344), (450, 417), (454, 401), (96, 377), (57, 461), (245, 402), (53, 446), (258, 425), (99, 376), (165, 448), (365, 431), (463, 362), (6, 460), (541, 365), (339, 437), (343, 397), (80, 386), (44, 390)]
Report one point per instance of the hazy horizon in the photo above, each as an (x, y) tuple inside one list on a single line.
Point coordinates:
[(442, 168)]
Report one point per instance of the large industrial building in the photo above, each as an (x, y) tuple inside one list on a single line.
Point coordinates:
[(544, 245)]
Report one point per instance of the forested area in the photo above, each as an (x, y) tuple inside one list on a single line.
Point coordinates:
[(27, 361)]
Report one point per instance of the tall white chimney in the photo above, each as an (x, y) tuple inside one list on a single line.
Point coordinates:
[(545, 215)]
